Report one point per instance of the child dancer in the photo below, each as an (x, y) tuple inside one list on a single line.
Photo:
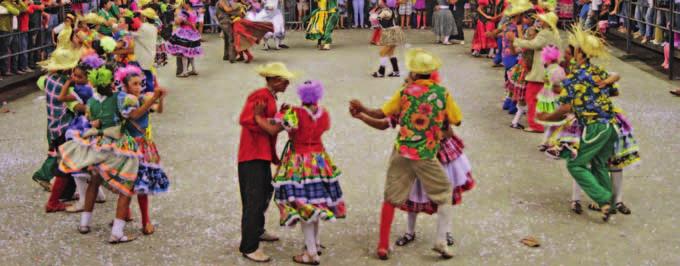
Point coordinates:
[(151, 178), (107, 149), (443, 23), (375, 24), (517, 78), (508, 54), (75, 93), (391, 36), (247, 33), (488, 16), (323, 19), (306, 184), (547, 97), (185, 42)]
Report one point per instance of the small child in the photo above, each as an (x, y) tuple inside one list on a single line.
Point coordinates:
[(306, 184), (552, 86), (375, 24), (517, 75), (302, 9), (342, 11), (421, 15), (151, 179)]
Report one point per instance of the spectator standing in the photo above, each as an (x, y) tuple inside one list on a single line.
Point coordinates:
[(23, 20), (35, 32), (13, 10)]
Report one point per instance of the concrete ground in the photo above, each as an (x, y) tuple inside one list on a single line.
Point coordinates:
[(520, 191)]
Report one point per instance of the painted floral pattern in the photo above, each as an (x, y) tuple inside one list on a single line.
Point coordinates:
[(421, 121)]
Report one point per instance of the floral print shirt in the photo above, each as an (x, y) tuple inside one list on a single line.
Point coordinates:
[(590, 103), (423, 108)]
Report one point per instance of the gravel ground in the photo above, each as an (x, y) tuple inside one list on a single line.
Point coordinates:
[(520, 192)]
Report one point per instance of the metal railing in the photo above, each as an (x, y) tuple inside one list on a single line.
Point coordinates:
[(663, 17)]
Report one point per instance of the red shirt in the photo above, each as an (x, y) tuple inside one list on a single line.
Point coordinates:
[(307, 137), (255, 143), (24, 16)]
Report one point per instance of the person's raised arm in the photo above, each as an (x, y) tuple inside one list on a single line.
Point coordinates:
[(139, 112), (380, 124), (64, 95)]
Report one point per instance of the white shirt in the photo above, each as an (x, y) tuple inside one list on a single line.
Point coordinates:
[(145, 45)]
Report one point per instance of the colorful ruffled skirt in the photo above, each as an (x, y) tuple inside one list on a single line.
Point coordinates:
[(113, 155), (151, 179), (306, 188), (547, 103), (249, 33), (564, 140), (515, 84), (321, 25), (78, 126), (626, 149), (186, 42), (480, 41), (459, 171), (392, 36)]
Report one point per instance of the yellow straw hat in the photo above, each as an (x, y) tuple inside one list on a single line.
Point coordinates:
[(549, 18), (276, 69), (92, 18), (143, 3), (518, 7), (420, 61), (589, 43), (149, 13)]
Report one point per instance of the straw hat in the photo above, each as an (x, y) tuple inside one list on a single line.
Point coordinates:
[(92, 18), (587, 42), (549, 18), (149, 13), (61, 59), (276, 69), (420, 61), (518, 7), (143, 3)]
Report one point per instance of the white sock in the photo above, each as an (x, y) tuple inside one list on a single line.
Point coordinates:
[(185, 63), (117, 229), (575, 191), (81, 187), (446, 39), (383, 61), (546, 136), (411, 229), (192, 63), (85, 218), (316, 233), (518, 115), (444, 213), (310, 241), (617, 185)]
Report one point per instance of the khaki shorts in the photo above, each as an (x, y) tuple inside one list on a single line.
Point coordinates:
[(402, 172)]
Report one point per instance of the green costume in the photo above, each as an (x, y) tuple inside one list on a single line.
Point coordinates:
[(595, 112), (322, 21)]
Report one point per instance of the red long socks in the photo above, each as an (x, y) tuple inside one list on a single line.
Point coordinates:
[(143, 201), (53, 203), (376, 36), (386, 217), (418, 16)]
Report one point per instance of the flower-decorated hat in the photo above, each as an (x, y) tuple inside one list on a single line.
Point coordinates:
[(276, 69), (420, 61), (518, 7)]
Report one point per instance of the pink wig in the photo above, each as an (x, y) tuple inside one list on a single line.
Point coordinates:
[(124, 72), (310, 92), (550, 55)]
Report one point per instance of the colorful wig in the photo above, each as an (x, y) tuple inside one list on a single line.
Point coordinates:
[(124, 73), (310, 92)]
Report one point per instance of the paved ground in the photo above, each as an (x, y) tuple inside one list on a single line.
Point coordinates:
[(520, 192)]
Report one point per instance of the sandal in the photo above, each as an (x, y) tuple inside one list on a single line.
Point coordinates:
[(676, 93), (83, 229), (148, 229), (405, 239), (542, 147), (118, 240), (378, 75), (622, 208), (306, 259), (74, 209), (517, 126), (576, 207), (443, 251), (449, 239), (531, 130)]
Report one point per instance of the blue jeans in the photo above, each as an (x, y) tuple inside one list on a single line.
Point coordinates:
[(4, 49), (646, 28), (23, 46), (358, 7)]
